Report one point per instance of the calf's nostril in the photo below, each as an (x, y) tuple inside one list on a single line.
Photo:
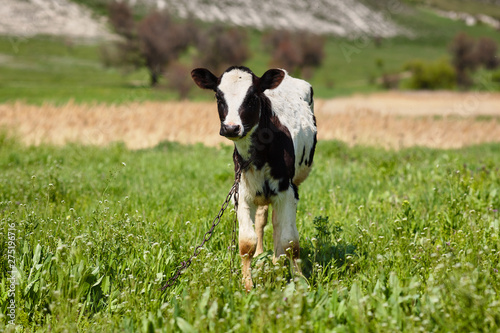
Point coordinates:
[(230, 130), (235, 129)]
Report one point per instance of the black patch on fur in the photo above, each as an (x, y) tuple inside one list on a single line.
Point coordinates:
[(303, 154), (295, 191), (205, 79), (272, 144), (309, 161), (270, 80), (284, 184), (241, 68), (249, 110), (221, 105), (267, 191), (311, 152)]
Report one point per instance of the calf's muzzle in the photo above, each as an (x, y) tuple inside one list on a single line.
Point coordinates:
[(230, 130)]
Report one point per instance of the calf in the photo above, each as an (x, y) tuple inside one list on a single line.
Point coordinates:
[(271, 121)]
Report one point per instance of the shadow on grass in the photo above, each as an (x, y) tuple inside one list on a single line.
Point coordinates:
[(325, 254), (324, 257)]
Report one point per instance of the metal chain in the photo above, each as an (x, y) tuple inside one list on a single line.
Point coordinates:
[(232, 193), (232, 269)]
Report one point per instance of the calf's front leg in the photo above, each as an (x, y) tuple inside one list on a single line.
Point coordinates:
[(247, 239)]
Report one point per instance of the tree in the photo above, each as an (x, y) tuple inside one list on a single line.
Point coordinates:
[(127, 47), (154, 42), (161, 41), (122, 19)]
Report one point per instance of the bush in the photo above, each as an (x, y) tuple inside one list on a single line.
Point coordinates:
[(431, 75), (297, 52), (221, 47), (495, 77), (179, 79), (285, 51), (469, 54), (486, 53), (464, 58), (312, 47), (390, 81)]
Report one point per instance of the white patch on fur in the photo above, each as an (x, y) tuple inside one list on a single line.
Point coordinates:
[(234, 85), (292, 102), (246, 230), (246, 216), (253, 181), (284, 222)]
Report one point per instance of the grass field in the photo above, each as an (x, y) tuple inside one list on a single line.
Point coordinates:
[(391, 241)]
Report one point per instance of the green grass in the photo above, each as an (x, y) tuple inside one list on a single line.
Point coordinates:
[(47, 69), (391, 241)]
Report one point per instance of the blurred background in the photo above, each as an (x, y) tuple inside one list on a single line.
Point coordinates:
[(83, 62)]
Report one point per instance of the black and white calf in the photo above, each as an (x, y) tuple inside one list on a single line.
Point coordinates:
[(271, 121)]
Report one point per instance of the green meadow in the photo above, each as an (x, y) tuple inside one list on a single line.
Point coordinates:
[(390, 241)]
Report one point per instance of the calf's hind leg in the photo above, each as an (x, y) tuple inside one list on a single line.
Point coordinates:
[(285, 234), (260, 223)]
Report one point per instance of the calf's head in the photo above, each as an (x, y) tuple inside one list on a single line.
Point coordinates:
[(239, 96)]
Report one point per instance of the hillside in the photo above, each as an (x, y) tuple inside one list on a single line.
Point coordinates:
[(50, 17), (346, 18), (341, 18)]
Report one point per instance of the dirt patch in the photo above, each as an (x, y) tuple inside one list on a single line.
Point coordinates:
[(392, 120)]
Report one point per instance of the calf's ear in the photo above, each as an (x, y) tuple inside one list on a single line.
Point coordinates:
[(271, 79), (204, 78)]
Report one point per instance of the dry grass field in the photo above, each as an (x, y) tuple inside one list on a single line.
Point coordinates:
[(391, 120)]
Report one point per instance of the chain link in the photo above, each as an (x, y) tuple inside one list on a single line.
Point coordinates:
[(232, 193)]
